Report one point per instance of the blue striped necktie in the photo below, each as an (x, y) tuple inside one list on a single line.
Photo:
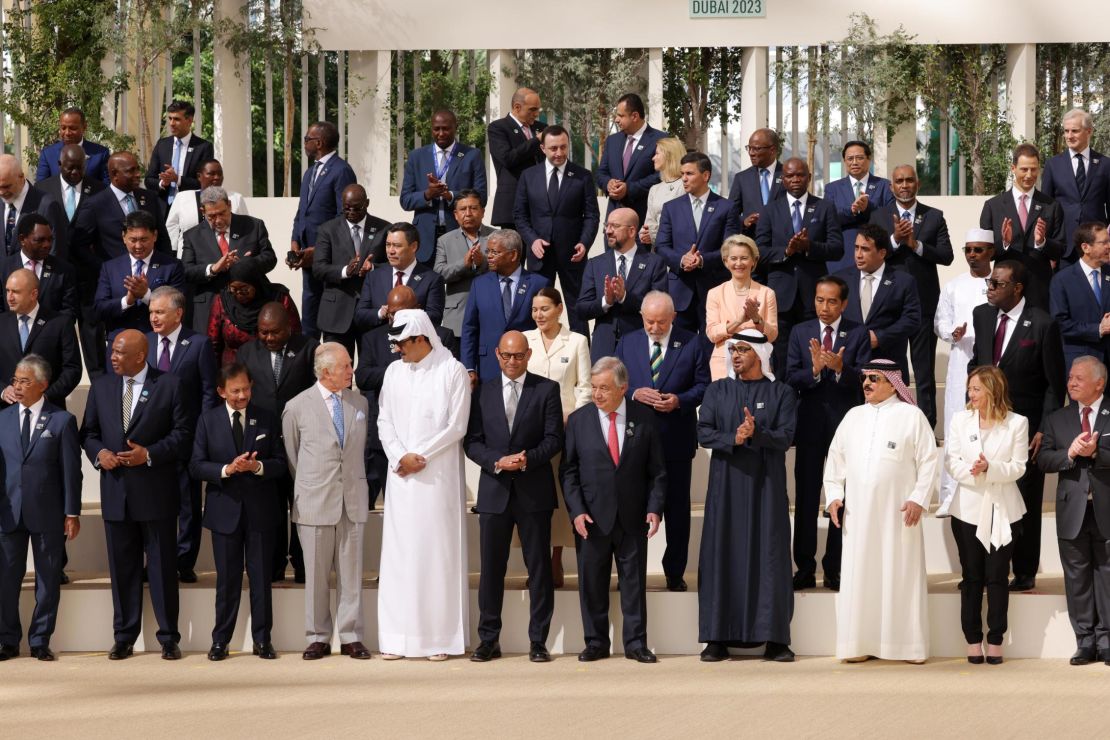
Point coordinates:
[(656, 362)]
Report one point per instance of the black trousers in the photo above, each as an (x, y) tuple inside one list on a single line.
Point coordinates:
[(923, 356), (1027, 544), (286, 542), (47, 549), (1086, 561), (595, 562), (127, 541), (228, 551), (535, 544), (809, 466), (556, 260), (982, 569), (188, 521), (349, 340), (90, 329), (676, 514), (311, 290), (377, 470)]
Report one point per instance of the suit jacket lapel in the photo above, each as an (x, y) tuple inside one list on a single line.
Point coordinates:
[(594, 423), (140, 404), (1009, 210), (639, 147), (35, 329), (1021, 331), (635, 270), (669, 360), (1101, 424), (37, 430), (883, 288), (518, 296)]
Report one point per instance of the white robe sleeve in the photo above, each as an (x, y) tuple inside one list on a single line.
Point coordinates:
[(458, 415), (387, 432), (945, 320), (835, 464), (925, 448)]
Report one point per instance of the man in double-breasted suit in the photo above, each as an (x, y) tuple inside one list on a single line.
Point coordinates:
[(756, 187), (626, 171), (136, 432), (614, 484), (1078, 179), (1079, 297), (238, 451), (39, 504), (1023, 341), (856, 196), (57, 278), (72, 126), (402, 268), (515, 430), (514, 146), (461, 257), (557, 217), (175, 158), (325, 436)]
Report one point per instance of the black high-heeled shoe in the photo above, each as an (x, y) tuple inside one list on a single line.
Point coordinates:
[(994, 660), (975, 659)]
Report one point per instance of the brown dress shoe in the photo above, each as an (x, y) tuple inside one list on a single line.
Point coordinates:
[(355, 650), (316, 650)]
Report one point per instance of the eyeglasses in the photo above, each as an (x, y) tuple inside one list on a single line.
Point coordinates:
[(872, 378), (20, 382), (311, 138), (997, 284), (512, 356), (856, 158), (739, 349), (751, 149), (976, 250), (241, 290)]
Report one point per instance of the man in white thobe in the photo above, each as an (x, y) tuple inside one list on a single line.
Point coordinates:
[(423, 594), (879, 476), (953, 324)]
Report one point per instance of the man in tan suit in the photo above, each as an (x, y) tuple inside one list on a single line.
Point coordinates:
[(325, 433)]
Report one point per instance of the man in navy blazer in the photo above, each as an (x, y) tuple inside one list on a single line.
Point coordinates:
[(434, 174), (401, 247), (515, 430), (514, 146), (824, 358), (72, 186), (57, 277), (321, 200), (668, 372), (1078, 179), (71, 130), (892, 311), (691, 231), (615, 283), (856, 196), (626, 171), (499, 300), (1081, 309), (39, 505), (557, 216), (756, 187), (136, 432), (238, 451), (18, 199), (175, 158)]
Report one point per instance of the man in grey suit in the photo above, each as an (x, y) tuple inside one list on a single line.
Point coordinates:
[(461, 256), (325, 433), (1076, 444)]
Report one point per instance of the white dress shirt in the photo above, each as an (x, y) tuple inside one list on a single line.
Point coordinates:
[(548, 167), (1074, 156), (878, 275), (1015, 315), (27, 264), (36, 411), (140, 381), (32, 314), (621, 418), (863, 184), (173, 337), (663, 344), (635, 138), (243, 421)]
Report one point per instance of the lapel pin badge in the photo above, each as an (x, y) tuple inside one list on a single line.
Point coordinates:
[(886, 282), (289, 353), (843, 334), (642, 266), (676, 345), (520, 291), (759, 405), (184, 342), (640, 148), (892, 445), (974, 437), (1027, 322), (252, 422)]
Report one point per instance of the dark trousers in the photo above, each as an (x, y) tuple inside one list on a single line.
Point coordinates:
[(1086, 561), (535, 544), (676, 514), (228, 551), (46, 549), (809, 466), (311, 290), (127, 541), (982, 569), (90, 330), (923, 355), (556, 260), (286, 542), (377, 470), (1027, 544), (188, 521), (595, 562), (349, 340)]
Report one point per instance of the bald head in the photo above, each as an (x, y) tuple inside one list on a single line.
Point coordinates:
[(620, 229), (71, 163), (21, 291), (513, 354), (123, 171), (274, 328), (275, 312), (795, 176), (526, 106), (400, 298), (129, 352), (11, 178)]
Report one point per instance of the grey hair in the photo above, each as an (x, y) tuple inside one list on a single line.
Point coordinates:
[(325, 357), (1099, 368), (38, 366), (509, 239), (611, 365), (1085, 118), (657, 296), (171, 294), (213, 194)]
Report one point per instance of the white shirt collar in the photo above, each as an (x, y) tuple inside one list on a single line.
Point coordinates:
[(146, 262), (518, 123), (172, 336), (790, 201), (639, 133), (1015, 312), (548, 166), (324, 159), (704, 198), (139, 377), (863, 182), (666, 340), (17, 201), (231, 412), (628, 256), (326, 393), (1094, 410), (1017, 198), (505, 380), (835, 325), (900, 209), (36, 410), (405, 271), (621, 411), (33, 313), (120, 195), (1086, 156), (878, 274), (361, 224)]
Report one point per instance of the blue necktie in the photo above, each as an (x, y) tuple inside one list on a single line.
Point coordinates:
[(337, 416), (765, 184), (507, 296), (172, 189), (796, 219), (129, 203), (1096, 285), (138, 268), (71, 201), (24, 330)]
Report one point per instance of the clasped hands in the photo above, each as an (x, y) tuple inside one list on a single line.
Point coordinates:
[(245, 463), (692, 260), (1085, 445), (436, 189), (134, 456), (519, 461), (411, 463), (798, 243), (665, 402)]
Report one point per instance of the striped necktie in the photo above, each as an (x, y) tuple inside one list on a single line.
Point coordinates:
[(656, 362)]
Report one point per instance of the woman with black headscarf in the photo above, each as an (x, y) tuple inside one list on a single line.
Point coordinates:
[(234, 318)]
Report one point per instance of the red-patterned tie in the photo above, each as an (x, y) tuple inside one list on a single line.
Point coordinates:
[(223, 243), (826, 343), (614, 443), (1086, 419)]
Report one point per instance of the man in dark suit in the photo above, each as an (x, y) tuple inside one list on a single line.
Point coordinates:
[(461, 256), (1028, 226), (626, 171), (919, 243), (71, 130), (885, 301), (215, 244), (515, 430), (39, 505), (20, 199), (136, 431), (823, 361), (668, 372), (615, 283), (29, 327), (72, 185), (514, 146), (401, 246), (321, 200), (1024, 343), (691, 231), (755, 188), (188, 356), (557, 217), (1079, 296), (499, 301), (239, 453), (856, 196), (173, 163), (57, 278), (434, 175), (613, 515), (1076, 444), (281, 364), (1078, 179)]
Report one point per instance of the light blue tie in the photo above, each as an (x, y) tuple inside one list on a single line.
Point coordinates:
[(129, 203), (765, 184), (172, 189), (337, 416), (796, 219), (24, 330), (1096, 286), (71, 202)]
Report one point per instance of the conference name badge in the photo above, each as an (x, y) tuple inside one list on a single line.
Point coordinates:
[(184, 342), (640, 148), (1027, 322), (86, 190), (629, 430), (1037, 207), (417, 278), (919, 219), (871, 187), (289, 353), (886, 282), (144, 396), (843, 334), (1104, 412), (676, 345), (564, 360), (642, 266), (710, 209), (458, 155), (974, 437), (759, 405), (46, 275), (252, 423), (40, 322), (520, 291), (892, 445), (40, 425)]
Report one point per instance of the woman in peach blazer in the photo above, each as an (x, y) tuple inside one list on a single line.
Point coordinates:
[(741, 303)]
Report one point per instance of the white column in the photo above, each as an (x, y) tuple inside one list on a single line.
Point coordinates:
[(1021, 89), (655, 88), (231, 113), (368, 130), (902, 148), (753, 94)]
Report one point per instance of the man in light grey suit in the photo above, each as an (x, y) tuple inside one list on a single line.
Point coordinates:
[(461, 256), (325, 433)]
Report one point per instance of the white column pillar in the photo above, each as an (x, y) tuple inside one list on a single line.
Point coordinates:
[(753, 94), (368, 130), (655, 88), (1021, 89), (231, 113), (902, 148)]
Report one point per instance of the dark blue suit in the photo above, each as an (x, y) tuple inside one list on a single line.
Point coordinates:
[(641, 174), (318, 204), (645, 272), (44, 204), (841, 194), (160, 269), (1078, 312), (42, 486), (96, 160), (98, 228), (677, 232), (465, 170), (685, 373), (424, 281), (484, 319), (1092, 204), (57, 284), (895, 314), (747, 193), (241, 511), (140, 503), (823, 402)]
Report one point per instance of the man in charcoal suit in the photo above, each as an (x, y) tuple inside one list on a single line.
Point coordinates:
[(175, 158), (514, 146), (1078, 179)]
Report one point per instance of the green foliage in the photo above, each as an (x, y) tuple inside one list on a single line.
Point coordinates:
[(1071, 76), (452, 80), (700, 84)]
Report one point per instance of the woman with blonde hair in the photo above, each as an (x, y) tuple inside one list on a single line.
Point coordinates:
[(668, 163), (741, 303), (986, 451)]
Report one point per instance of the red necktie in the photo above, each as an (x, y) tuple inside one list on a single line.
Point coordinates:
[(1086, 419), (999, 338), (614, 444), (399, 276), (223, 243), (826, 343)]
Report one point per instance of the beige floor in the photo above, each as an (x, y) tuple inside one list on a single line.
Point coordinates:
[(87, 696)]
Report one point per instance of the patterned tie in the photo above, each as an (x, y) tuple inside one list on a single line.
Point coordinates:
[(826, 342), (397, 283), (24, 330), (628, 147), (514, 399), (278, 359), (1023, 211), (1086, 419), (859, 188), (129, 203), (553, 188), (507, 296), (614, 442), (867, 295), (621, 267), (9, 229), (656, 362), (164, 358), (905, 215), (237, 431), (71, 202), (315, 174), (33, 266), (1096, 286), (223, 243), (138, 268), (697, 214), (356, 240), (765, 184), (172, 189), (128, 398), (796, 217), (999, 339), (25, 431), (337, 417), (1080, 173)]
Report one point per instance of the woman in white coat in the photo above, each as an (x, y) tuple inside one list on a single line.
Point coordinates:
[(185, 213), (986, 451)]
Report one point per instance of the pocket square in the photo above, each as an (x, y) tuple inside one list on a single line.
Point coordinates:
[(260, 436), (1027, 343), (359, 416), (47, 434)]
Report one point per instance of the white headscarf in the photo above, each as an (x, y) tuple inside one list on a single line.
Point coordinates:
[(414, 322), (759, 344)]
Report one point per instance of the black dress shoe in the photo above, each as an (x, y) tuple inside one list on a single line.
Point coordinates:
[(7, 652), (64, 579), (641, 655), (170, 651), (1103, 656), (714, 652), (265, 650), (187, 575), (316, 650), (832, 581), (121, 650), (277, 577), (676, 584), (778, 652), (43, 652), (355, 650), (1083, 656), (592, 653), (977, 659), (486, 651), (994, 660), (802, 581), (218, 651), (1023, 583), (537, 653)]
